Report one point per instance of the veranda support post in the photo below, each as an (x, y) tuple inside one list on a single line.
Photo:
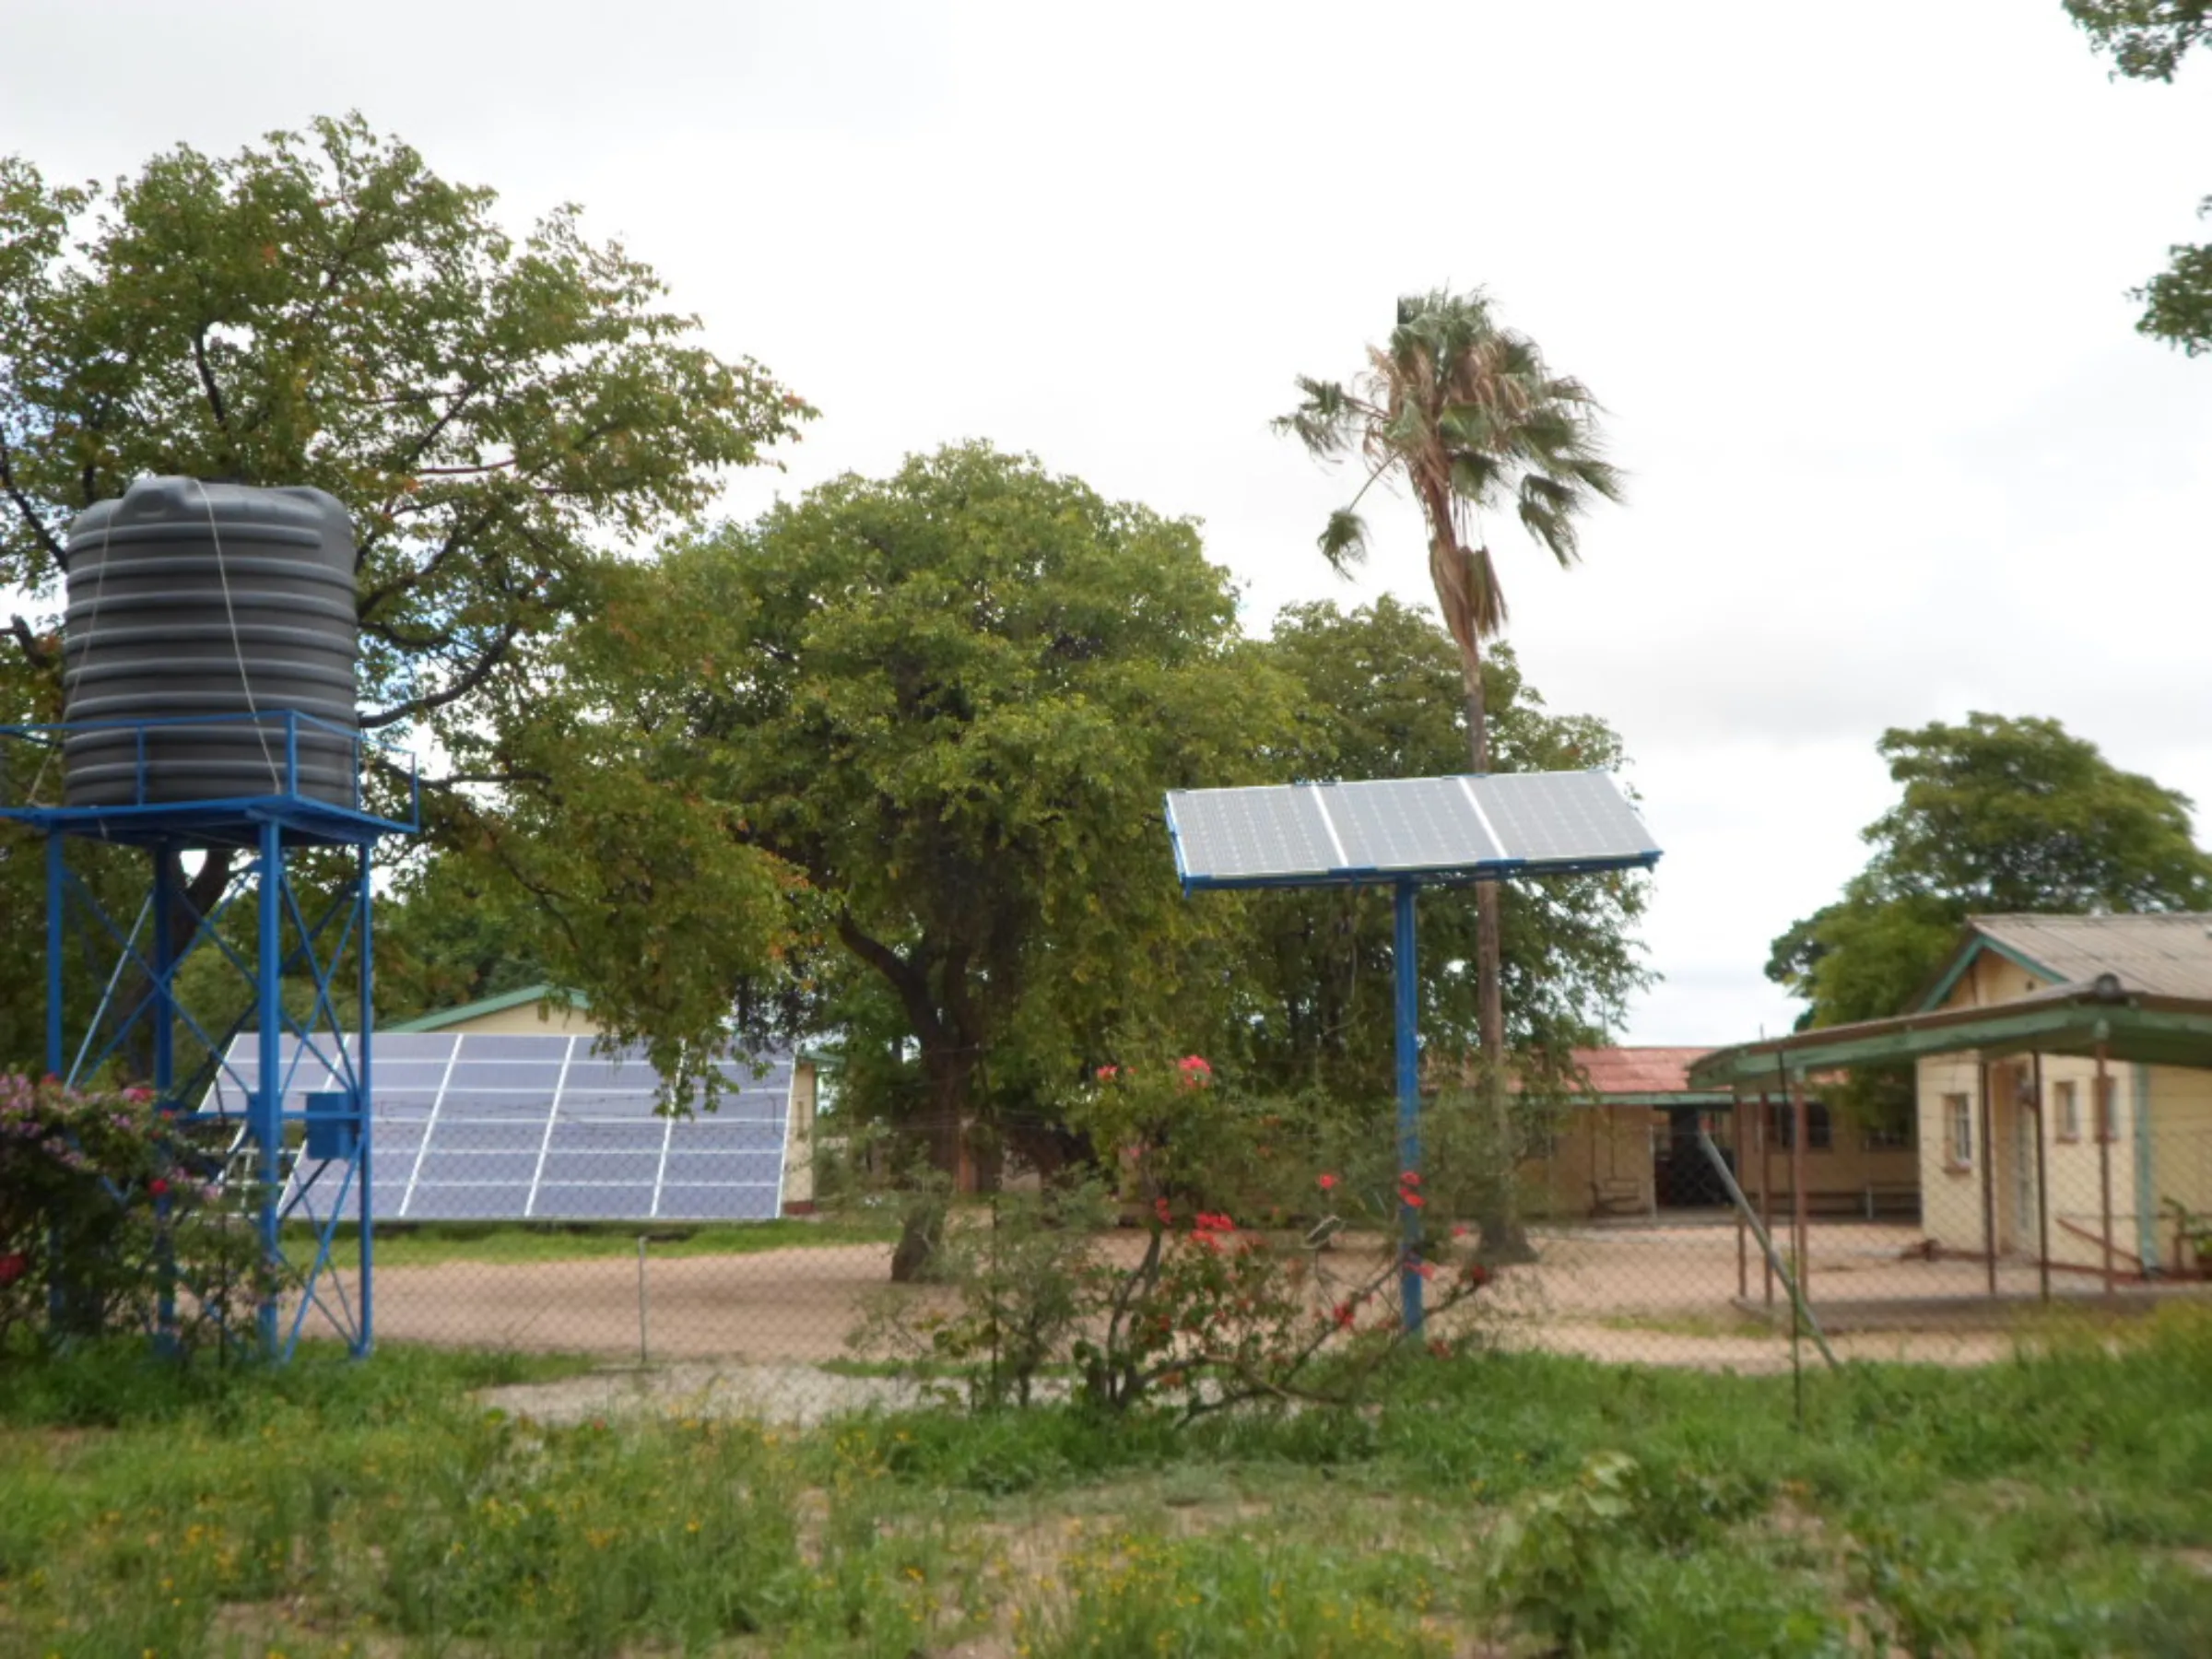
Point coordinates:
[(1989, 1174), (2104, 1168), (1800, 1217), (2043, 1188)]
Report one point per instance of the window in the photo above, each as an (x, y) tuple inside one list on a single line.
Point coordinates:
[(2108, 1125), (2067, 1100), (1819, 1128), (1959, 1130), (1887, 1138)]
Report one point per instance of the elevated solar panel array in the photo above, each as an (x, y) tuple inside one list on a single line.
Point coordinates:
[(1465, 828), (479, 1126)]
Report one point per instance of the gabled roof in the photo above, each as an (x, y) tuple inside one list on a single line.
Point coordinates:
[(2167, 954), (1630, 1076), (442, 1018)]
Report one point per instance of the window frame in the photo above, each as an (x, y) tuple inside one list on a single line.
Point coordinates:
[(1959, 1130), (2066, 1102)]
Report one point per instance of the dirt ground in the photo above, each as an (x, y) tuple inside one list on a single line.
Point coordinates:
[(1655, 1295)]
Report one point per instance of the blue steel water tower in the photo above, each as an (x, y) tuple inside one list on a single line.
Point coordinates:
[(209, 647)]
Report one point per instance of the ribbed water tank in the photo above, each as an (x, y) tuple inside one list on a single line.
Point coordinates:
[(188, 599)]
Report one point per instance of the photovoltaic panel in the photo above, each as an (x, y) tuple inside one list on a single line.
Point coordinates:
[(1456, 829), (536, 1126)]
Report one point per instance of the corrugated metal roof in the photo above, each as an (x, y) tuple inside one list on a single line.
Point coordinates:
[(1638, 1071), (2166, 955)]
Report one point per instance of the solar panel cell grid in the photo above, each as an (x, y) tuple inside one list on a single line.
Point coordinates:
[(489, 1126)]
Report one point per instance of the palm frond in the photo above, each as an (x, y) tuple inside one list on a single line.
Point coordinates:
[(1326, 422), (1343, 541)]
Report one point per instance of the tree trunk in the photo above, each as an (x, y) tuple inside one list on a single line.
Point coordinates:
[(1503, 1237), (938, 1137)]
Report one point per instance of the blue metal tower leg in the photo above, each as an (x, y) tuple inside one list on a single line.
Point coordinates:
[(268, 1098), (162, 1013), (57, 902), (365, 1028), (1409, 1097)]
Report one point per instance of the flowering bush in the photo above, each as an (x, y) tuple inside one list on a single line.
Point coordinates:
[(99, 1208), (1299, 1301)]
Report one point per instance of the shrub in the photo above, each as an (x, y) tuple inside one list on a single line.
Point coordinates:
[(105, 1206)]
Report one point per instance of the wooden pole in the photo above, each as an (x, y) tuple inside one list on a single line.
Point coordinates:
[(2104, 1168), (1743, 1240), (1989, 1177), (1766, 1179), (1797, 1206), (2043, 1189)]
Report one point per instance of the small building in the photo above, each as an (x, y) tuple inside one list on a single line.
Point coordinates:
[(2138, 1146), (1627, 1144), (548, 1010), (2062, 1089)]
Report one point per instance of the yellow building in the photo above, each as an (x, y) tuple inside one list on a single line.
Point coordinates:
[(546, 1010), (2062, 1087), (2046, 1155)]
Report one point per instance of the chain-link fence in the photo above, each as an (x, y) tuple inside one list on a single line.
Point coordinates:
[(1636, 1255)]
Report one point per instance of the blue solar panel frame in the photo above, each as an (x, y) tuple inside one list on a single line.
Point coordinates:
[(538, 1127), (1433, 831)]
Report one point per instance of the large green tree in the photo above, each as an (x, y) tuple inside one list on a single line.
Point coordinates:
[(2146, 40), (1995, 815), (1313, 983), (322, 308), (1467, 414), (932, 716)]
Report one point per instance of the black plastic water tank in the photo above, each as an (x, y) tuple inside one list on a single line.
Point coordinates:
[(188, 599)]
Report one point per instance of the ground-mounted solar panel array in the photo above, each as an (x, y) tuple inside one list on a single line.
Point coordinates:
[(1457, 828), (479, 1126)]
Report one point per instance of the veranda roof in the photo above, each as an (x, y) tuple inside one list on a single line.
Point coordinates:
[(2065, 1019)]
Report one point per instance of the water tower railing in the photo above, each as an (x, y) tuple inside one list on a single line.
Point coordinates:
[(49, 740)]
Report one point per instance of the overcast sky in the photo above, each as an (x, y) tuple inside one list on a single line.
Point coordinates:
[(1850, 280)]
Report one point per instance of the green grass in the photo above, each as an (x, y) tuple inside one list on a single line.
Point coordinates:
[(2059, 1504), (430, 1244)]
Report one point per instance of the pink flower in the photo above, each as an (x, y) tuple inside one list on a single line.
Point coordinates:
[(1327, 1182)]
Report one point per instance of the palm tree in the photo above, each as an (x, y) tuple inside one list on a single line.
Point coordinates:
[(1469, 416)]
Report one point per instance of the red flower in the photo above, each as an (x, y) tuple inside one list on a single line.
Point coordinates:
[(1106, 1074), (158, 1187), (1411, 1199), (1459, 1229), (1327, 1182), (1411, 1178), (1159, 1209), (1196, 1073), (1477, 1274), (13, 1266), (1344, 1316), (1426, 1269)]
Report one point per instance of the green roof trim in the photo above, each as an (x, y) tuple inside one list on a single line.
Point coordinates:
[(442, 1018), (2068, 1019)]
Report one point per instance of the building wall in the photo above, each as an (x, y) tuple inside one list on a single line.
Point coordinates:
[(538, 1018), (1839, 1178), (1607, 1145), (2073, 1163), (2178, 1121)]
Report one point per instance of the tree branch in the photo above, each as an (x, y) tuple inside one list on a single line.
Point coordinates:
[(468, 680), (36, 651), (45, 537), (215, 395)]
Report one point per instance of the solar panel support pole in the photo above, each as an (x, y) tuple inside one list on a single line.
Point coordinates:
[(1408, 977), (364, 1336), (268, 1099)]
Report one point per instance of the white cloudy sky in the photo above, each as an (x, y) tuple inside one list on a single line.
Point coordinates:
[(1850, 279)]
